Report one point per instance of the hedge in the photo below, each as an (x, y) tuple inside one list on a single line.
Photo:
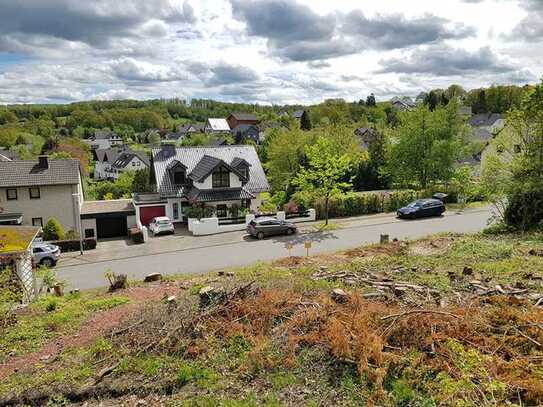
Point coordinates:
[(73, 245)]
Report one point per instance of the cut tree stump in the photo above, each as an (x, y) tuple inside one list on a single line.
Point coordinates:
[(149, 278)]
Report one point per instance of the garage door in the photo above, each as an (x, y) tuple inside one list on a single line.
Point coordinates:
[(111, 227), (147, 213)]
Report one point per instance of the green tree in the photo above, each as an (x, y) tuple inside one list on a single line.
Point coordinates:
[(325, 170), (53, 230), (140, 182), (7, 116), (427, 146), (305, 121)]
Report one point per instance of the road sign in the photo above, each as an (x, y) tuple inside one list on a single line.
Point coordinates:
[(307, 246)]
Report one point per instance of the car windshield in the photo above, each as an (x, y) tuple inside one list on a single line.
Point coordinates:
[(163, 222)]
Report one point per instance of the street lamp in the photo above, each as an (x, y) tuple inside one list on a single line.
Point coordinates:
[(77, 213)]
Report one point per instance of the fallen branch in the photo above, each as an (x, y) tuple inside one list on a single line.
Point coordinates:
[(419, 311)]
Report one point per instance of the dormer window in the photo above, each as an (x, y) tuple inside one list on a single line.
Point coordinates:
[(221, 178), (179, 176)]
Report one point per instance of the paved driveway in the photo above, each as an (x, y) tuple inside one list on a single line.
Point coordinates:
[(234, 249)]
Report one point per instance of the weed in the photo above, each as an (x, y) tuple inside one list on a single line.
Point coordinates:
[(194, 373), (51, 303)]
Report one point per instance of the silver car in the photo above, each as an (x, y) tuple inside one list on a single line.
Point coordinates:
[(161, 224), (45, 254)]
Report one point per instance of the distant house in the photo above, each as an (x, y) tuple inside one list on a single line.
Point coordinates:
[(402, 103), (236, 119), (188, 129), (243, 132), (217, 126), (217, 141), (112, 162), (366, 136), (223, 178), (104, 139), (8, 155), (34, 191), (465, 111), (298, 114)]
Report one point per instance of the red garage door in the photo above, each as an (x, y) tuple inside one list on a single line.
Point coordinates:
[(147, 213)]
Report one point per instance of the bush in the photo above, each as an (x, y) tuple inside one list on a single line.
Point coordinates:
[(524, 210), (291, 207), (53, 230), (136, 235)]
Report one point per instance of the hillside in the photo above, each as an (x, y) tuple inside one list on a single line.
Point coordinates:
[(448, 320)]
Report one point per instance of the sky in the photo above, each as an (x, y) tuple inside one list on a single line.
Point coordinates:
[(262, 51)]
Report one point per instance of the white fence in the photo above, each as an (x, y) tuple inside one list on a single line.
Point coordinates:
[(211, 226)]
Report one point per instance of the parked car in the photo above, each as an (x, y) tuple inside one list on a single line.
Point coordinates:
[(422, 208), (45, 254), (267, 226), (161, 224)]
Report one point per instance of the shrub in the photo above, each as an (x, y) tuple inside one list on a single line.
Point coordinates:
[(291, 207), (74, 245), (53, 230), (524, 210)]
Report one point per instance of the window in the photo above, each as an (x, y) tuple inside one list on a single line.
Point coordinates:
[(221, 178), (37, 250), (222, 211), (175, 207), (34, 193), (11, 194), (179, 177), (37, 222), (244, 171)]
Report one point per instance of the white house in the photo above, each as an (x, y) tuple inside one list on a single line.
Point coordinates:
[(112, 162), (223, 178), (217, 126), (103, 139)]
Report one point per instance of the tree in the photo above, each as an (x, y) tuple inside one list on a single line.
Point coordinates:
[(53, 230), (324, 172), (370, 100), (516, 168), (427, 146), (305, 121), (140, 182)]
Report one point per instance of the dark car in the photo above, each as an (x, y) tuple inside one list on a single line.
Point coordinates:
[(266, 226), (422, 208)]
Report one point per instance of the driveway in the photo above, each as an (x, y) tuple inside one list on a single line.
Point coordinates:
[(203, 254)]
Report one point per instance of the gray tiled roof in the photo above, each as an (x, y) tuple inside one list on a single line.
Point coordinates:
[(107, 154), (298, 114), (216, 195), (191, 156), (244, 116), (109, 206), (237, 161), (485, 119), (125, 157), (204, 167), (28, 173)]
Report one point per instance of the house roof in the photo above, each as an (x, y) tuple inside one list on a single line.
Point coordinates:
[(8, 155), (243, 116), (218, 124), (192, 156), (14, 239), (190, 128), (108, 155), (405, 101), (243, 128), (216, 195), (485, 119), (109, 206), (126, 157), (481, 134), (216, 142), (29, 173), (105, 135), (237, 161), (204, 167), (298, 114)]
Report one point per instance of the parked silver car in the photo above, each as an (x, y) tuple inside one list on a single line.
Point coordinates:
[(161, 224), (268, 226), (45, 254)]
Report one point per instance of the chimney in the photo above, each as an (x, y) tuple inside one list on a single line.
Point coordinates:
[(43, 162)]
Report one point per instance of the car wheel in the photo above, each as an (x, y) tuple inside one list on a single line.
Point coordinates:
[(290, 231), (260, 235), (47, 262)]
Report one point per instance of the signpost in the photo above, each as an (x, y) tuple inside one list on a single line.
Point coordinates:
[(307, 245)]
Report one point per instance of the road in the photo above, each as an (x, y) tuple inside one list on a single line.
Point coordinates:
[(242, 251)]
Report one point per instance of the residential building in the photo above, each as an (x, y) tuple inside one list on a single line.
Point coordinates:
[(32, 192), (244, 132), (8, 155), (107, 219), (112, 162), (366, 136), (224, 178), (104, 139), (217, 126), (402, 103), (236, 119)]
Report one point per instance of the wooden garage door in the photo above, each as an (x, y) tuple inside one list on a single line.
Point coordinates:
[(111, 227), (147, 213)]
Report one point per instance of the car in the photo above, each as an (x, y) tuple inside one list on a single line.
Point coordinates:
[(161, 224), (422, 208), (45, 254), (268, 226)]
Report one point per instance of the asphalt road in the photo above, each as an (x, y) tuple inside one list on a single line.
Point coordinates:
[(242, 250)]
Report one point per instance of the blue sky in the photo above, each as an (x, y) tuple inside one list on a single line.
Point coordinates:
[(264, 51)]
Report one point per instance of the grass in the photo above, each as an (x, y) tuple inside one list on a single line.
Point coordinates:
[(289, 344), (51, 317)]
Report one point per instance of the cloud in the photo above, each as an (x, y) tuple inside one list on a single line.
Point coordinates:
[(295, 32), (446, 61), (318, 64), (131, 69), (225, 73), (395, 31), (530, 28), (94, 23)]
